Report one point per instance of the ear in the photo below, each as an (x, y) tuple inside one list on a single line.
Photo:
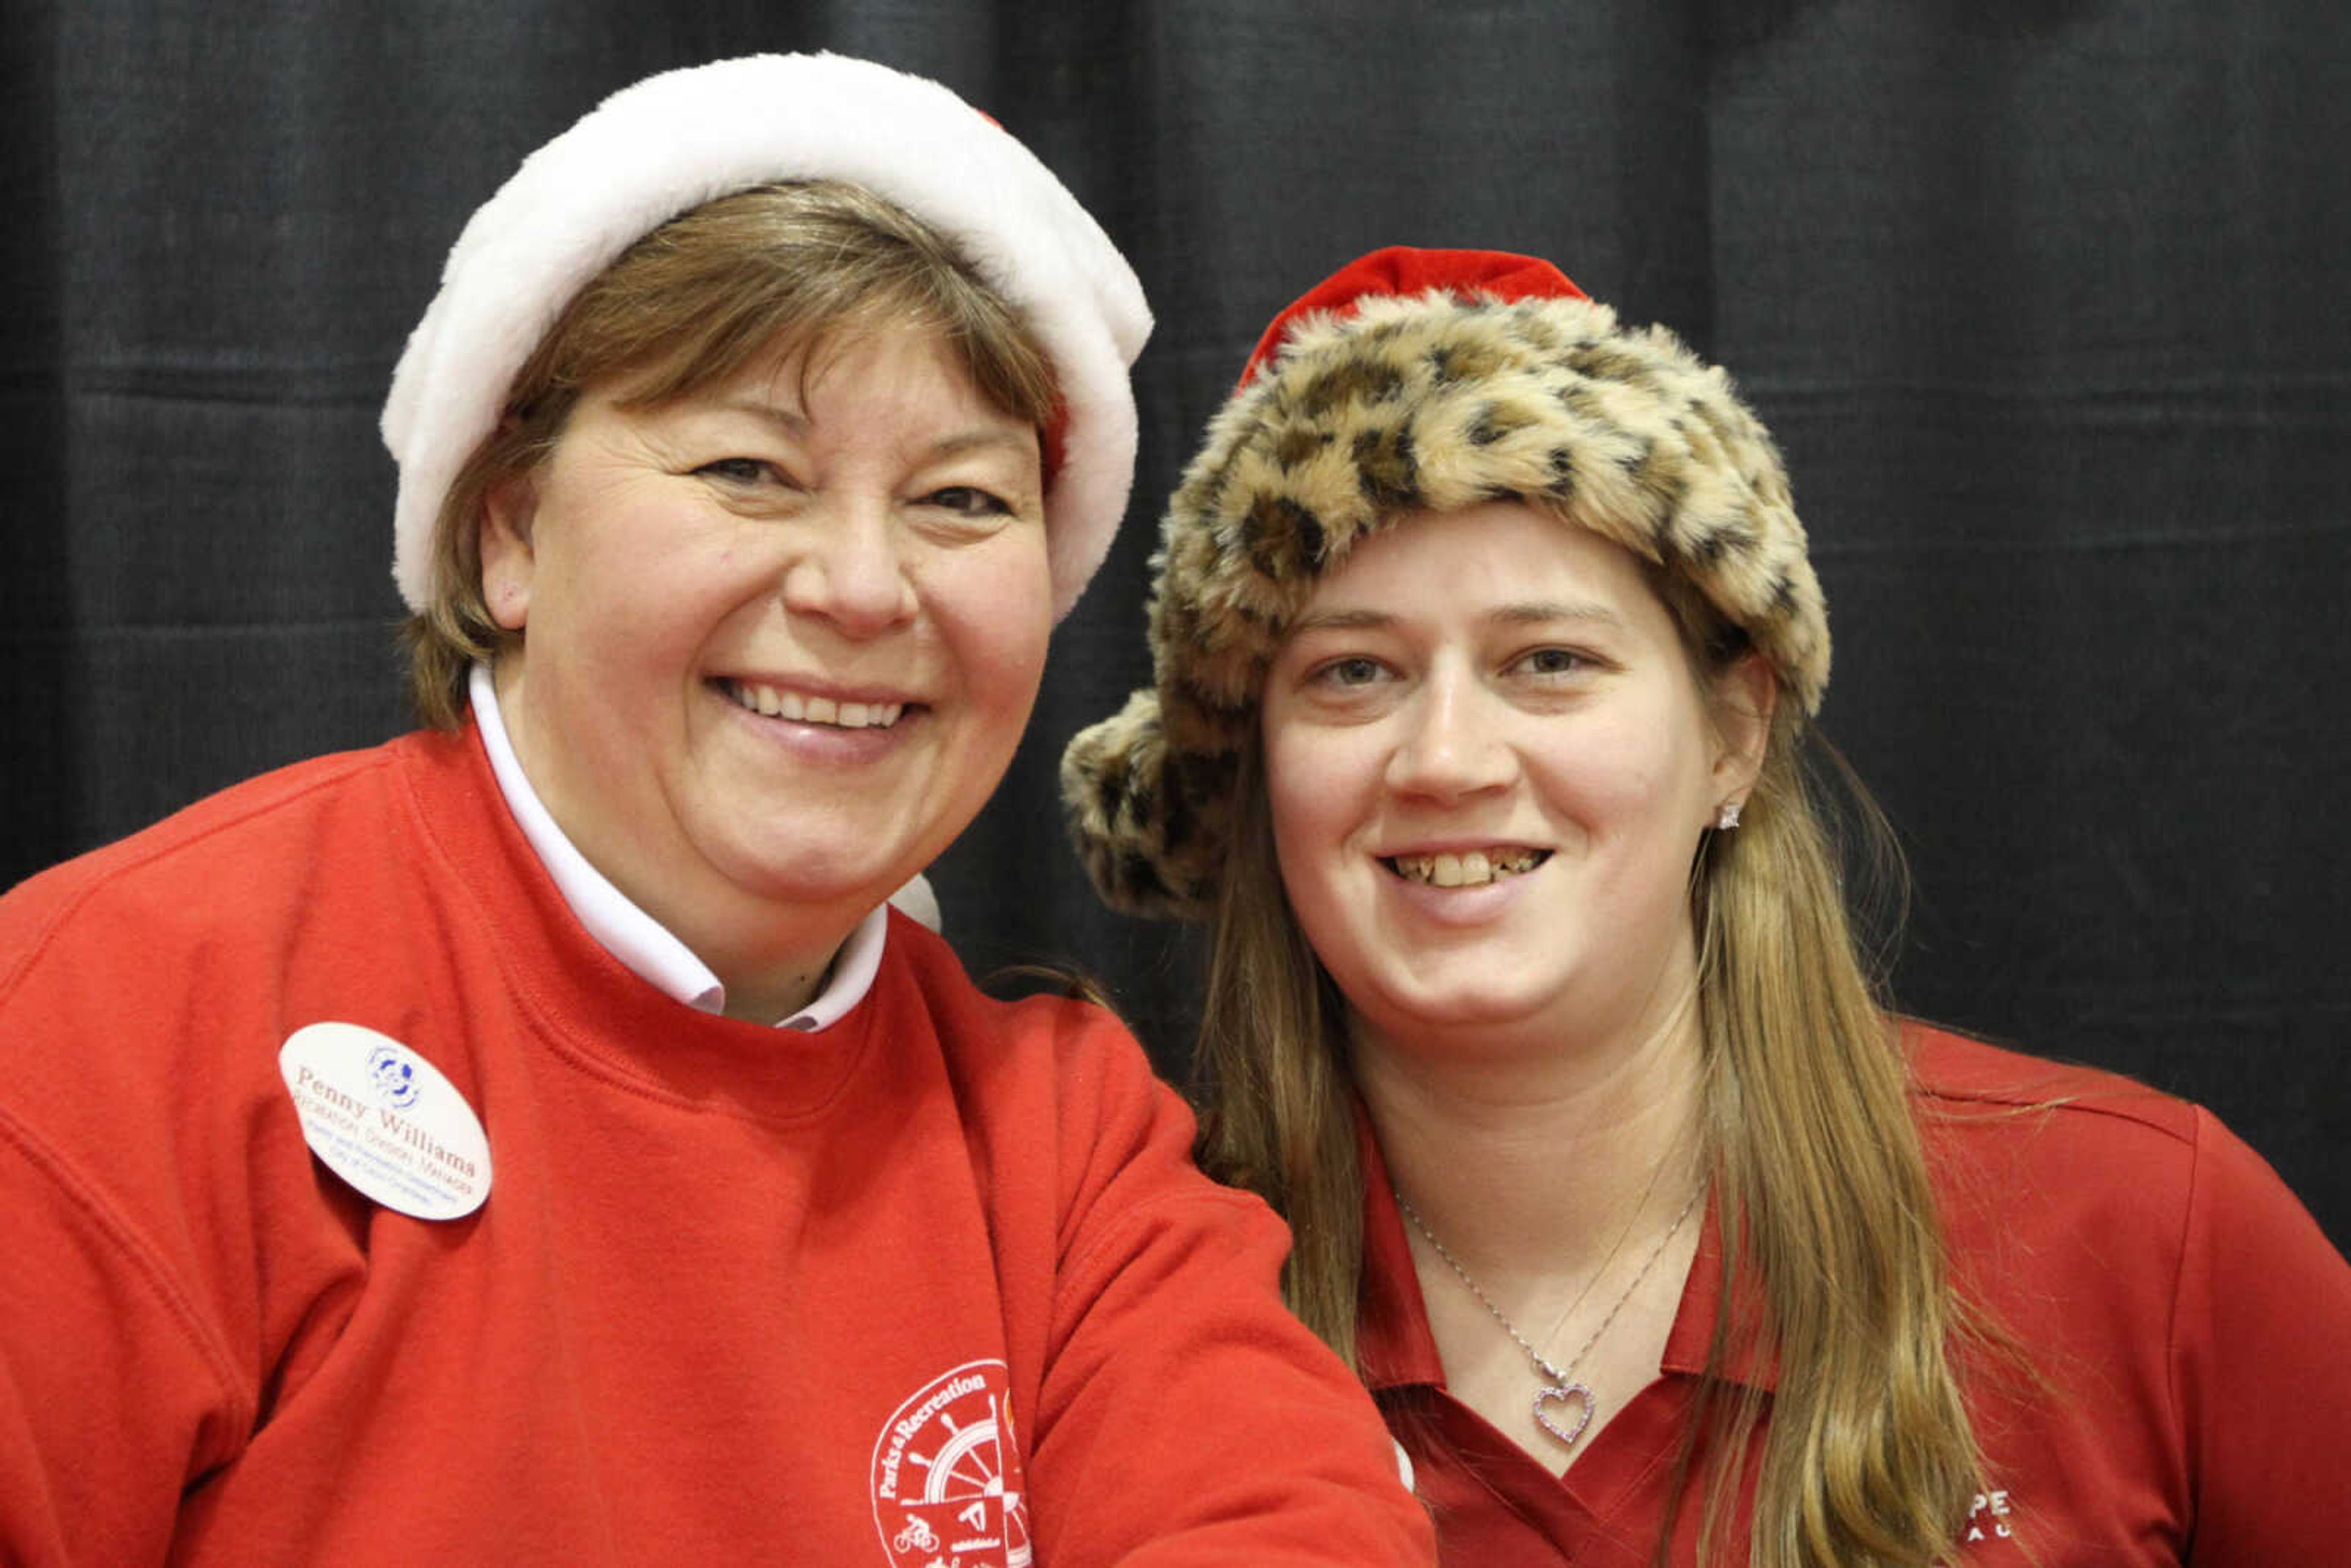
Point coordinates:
[(508, 562), (1744, 696)]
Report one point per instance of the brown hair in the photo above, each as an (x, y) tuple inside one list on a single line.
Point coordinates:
[(796, 266), (1816, 1163)]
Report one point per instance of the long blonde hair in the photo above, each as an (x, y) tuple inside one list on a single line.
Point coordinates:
[(1821, 1181)]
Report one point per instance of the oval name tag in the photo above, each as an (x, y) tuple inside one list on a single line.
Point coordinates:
[(384, 1120)]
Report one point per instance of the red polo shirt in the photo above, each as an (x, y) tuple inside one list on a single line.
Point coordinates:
[(2188, 1321)]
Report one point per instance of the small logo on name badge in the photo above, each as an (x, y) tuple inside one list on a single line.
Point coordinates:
[(947, 1486), (393, 1069), (386, 1121)]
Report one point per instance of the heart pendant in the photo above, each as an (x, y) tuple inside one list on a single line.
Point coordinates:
[(1570, 1392)]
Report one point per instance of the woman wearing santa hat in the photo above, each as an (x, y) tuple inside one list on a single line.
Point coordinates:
[(1487, 649), (536, 1139)]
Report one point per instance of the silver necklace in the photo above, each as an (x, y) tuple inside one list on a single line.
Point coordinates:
[(1640, 1206), (1559, 1384)]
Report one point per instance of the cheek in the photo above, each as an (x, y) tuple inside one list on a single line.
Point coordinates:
[(658, 596), (1287, 765), (998, 617), (1312, 801), (608, 565), (1018, 634), (1627, 775)]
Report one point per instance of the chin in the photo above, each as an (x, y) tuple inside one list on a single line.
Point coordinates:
[(1462, 1005), (818, 877)]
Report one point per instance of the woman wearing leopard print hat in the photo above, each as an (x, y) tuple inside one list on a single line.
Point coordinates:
[(1485, 651)]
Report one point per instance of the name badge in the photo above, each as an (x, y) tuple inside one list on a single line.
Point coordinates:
[(386, 1121)]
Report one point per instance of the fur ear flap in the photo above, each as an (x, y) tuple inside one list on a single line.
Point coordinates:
[(1134, 816)]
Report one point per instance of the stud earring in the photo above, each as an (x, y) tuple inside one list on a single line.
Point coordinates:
[(1726, 816)]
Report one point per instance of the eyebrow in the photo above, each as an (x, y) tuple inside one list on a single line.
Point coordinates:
[(793, 422), (1590, 611), (787, 419), (1018, 442), (1529, 612)]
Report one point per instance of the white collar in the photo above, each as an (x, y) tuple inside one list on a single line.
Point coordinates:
[(648, 948)]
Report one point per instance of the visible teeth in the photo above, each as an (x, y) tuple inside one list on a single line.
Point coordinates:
[(792, 705), (1474, 869)]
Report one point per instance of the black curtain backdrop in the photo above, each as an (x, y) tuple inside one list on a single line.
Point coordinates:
[(2036, 297)]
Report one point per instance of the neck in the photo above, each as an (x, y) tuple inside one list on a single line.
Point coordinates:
[(778, 998), (1533, 1167), (771, 960), (771, 968)]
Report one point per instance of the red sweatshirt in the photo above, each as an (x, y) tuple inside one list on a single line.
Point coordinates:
[(933, 1287), (2189, 1321)]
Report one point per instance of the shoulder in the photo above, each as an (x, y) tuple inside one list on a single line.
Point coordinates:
[(187, 867), (1059, 1073), (153, 943), (2178, 1313), (1054, 1031), (1951, 1073), (2056, 1159), (141, 983), (2027, 1133), (2021, 1136), (2036, 1161)]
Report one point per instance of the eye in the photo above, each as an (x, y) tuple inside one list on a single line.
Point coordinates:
[(1553, 662), (969, 501), (738, 470), (1348, 671)]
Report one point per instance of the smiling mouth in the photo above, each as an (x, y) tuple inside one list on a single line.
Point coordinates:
[(1475, 869), (791, 704)]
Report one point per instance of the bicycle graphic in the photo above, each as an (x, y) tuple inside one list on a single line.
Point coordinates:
[(971, 1465)]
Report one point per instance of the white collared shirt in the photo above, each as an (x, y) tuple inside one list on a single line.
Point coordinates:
[(647, 947)]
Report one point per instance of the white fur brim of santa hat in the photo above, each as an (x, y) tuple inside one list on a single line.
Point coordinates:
[(672, 141)]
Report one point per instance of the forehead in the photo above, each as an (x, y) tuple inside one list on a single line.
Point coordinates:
[(902, 379), (784, 366), (1497, 554)]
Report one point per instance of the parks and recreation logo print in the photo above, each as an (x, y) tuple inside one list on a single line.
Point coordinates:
[(947, 1478)]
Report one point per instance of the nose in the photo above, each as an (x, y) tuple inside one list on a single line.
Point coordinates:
[(1451, 742), (851, 572)]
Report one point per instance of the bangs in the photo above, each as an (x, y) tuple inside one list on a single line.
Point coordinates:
[(783, 270)]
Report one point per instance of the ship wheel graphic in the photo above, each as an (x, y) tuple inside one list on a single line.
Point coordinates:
[(970, 1465)]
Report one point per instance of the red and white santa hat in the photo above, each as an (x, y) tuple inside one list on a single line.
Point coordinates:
[(672, 141)]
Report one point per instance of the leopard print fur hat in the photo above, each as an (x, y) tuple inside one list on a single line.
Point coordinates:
[(1409, 381)]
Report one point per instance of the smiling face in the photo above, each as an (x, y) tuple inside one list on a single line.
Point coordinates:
[(778, 640), (1488, 764)]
